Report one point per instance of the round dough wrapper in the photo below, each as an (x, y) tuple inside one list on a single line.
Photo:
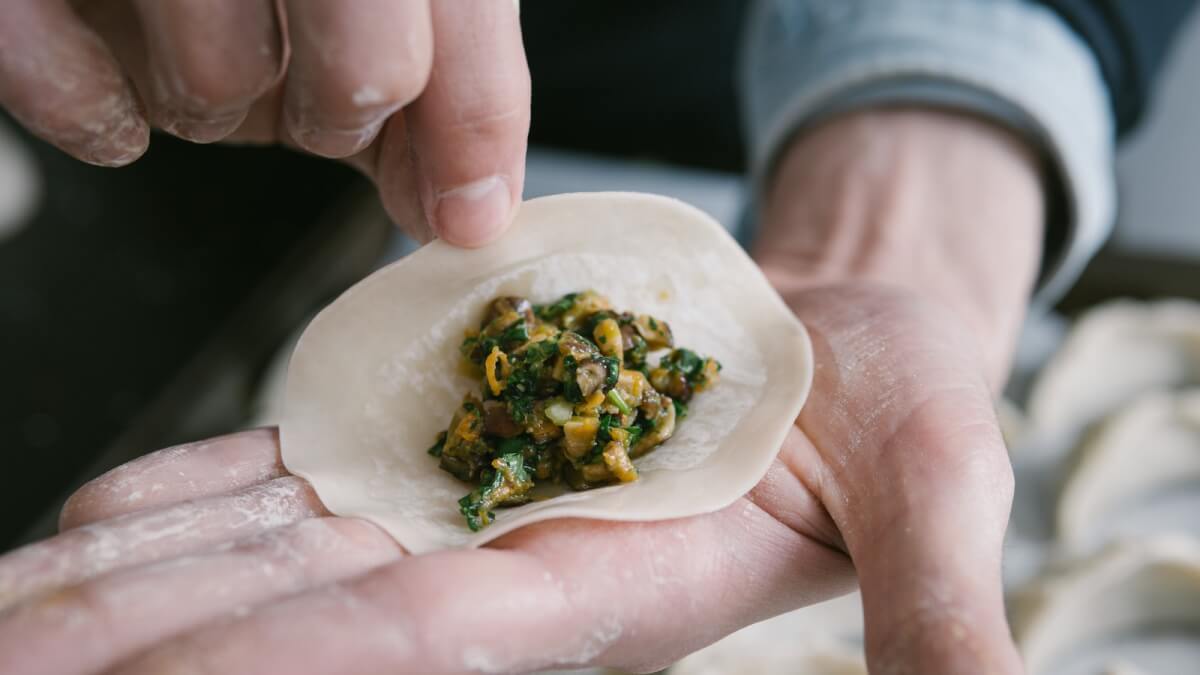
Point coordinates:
[(1132, 585), (376, 375)]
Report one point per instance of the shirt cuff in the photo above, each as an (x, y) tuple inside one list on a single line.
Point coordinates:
[(1013, 62)]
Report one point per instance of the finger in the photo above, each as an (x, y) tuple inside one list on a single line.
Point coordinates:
[(116, 615), (391, 165), (470, 126), (60, 81), (916, 477), (182, 473), (262, 124), (142, 537), (353, 64), (574, 592), (209, 61)]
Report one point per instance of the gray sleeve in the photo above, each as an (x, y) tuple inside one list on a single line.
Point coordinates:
[(1009, 60)]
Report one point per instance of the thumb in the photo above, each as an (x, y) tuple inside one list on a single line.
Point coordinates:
[(916, 477), (929, 567)]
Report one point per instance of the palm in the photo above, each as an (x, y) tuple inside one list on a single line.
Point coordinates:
[(214, 556)]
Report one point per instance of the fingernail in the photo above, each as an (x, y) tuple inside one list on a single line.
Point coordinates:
[(201, 130), (473, 214), (336, 143), (119, 140), (330, 142)]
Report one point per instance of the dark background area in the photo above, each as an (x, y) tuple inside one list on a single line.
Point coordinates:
[(121, 278)]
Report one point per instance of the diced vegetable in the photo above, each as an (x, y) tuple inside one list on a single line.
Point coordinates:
[(568, 395), (615, 396), (579, 434), (508, 486), (559, 411)]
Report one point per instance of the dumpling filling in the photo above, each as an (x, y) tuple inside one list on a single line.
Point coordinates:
[(572, 391)]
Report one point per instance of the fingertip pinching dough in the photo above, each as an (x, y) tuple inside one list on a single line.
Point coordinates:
[(377, 374)]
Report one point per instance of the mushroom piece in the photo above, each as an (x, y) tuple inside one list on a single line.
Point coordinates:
[(657, 334), (510, 306), (540, 427), (465, 453), (590, 376), (660, 410), (672, 383), (497, 421), (576, 346)]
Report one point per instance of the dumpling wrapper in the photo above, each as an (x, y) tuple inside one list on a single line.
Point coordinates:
[(376, 375)]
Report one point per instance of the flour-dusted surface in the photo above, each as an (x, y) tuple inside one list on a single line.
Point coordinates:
[(376, 376)]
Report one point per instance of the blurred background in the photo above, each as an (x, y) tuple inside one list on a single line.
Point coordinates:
[(154, 304)]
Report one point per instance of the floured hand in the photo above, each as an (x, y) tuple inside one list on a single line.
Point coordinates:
[(211, 556), (905, 241), (429, 99)]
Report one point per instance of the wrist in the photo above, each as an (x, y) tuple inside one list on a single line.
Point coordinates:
[(941, 204)]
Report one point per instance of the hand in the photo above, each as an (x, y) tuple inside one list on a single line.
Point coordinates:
[(429, 99), (211, 557)]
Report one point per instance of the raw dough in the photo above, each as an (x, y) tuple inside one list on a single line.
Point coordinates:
[(1114, 353), (1152, 445), (1131, 585), (822, 639), (375, 377)]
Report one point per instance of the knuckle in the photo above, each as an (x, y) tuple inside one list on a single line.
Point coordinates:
[(500, 116)]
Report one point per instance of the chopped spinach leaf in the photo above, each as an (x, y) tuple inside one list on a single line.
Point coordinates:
[(681, 409), (555, 309), (436, 449)]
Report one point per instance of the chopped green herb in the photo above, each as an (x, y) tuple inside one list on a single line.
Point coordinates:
[(683, 361), (612, 371), (607, 422), (614, 397), (555, 309), (507, 485), (681, 409), (507, 446), (436, 449), (635, 433)]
